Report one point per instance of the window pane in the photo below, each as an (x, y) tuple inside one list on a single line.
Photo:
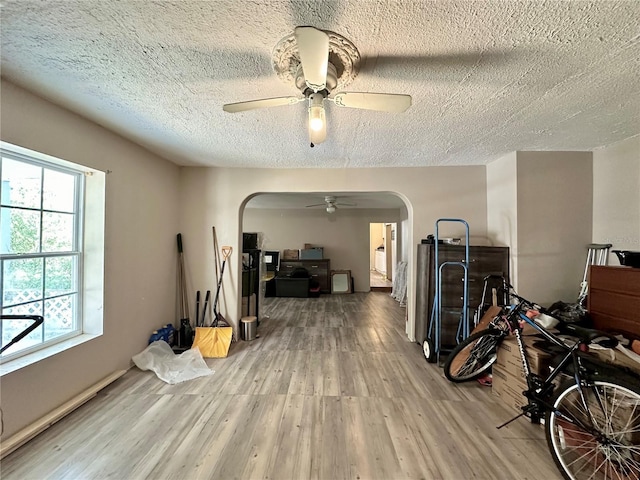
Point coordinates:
[(59, 276), (57, 232), (59, 315), (20, 230), (40, 217), (12, 328), (22, 282), (21, 184), (59, 191)]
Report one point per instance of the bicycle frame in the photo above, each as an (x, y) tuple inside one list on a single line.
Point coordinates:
[(539, 390), (580, 406)]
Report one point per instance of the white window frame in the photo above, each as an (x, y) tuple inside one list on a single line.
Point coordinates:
[(89, 249)]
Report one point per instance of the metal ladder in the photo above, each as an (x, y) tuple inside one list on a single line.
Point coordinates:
[(434, 333)]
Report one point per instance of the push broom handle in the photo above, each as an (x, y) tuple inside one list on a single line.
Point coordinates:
[(180, 243), (182, 281)]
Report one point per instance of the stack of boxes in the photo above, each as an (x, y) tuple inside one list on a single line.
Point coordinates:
[(309, 252), (508, 376), (290, 254)]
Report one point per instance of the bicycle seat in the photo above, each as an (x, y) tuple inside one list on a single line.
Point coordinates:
[(591, 335)]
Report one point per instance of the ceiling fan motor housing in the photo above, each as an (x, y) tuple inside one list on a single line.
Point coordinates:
[(332, 81)]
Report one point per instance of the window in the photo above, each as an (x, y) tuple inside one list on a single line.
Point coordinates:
[(42, 222)]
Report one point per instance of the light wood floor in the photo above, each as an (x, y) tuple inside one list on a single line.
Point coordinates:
[(376, 279), (331, 389)]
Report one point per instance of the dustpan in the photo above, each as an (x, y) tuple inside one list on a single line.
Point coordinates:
[(213, 342)]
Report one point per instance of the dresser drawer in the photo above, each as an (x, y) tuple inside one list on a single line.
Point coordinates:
[(317, 268)]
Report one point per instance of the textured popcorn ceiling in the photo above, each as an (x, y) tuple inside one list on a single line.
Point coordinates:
[(486, 77)]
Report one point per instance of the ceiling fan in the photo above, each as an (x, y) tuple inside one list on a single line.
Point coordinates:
[(317, 75), (331, 204)]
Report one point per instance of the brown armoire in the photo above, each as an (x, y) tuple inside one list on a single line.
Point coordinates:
[(483, 261)]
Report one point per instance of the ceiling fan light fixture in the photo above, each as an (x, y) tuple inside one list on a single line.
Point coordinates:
[(317, 118), (331, 208)]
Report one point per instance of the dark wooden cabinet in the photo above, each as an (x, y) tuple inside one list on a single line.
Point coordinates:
[(483, 261), (614, 299), (318, 269)]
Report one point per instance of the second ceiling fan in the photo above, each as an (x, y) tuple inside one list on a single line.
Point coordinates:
[(317, 77), (331, 204)]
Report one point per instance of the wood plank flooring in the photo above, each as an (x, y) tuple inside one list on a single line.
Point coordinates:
[(331, 389)]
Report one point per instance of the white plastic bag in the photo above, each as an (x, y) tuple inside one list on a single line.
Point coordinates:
[(169, 367)]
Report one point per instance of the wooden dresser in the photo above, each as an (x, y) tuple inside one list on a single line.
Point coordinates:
[(614, 299), (318, 269), (483, 261)]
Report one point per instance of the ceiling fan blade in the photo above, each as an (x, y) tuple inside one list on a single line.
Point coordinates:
[(313, 47), (316, 205), (339, 204), (383, 102), (263, 103)]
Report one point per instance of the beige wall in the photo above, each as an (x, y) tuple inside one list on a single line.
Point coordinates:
[(216, 197), (344, 235), (502, 207), (554, 223), (616, 195), (540, 205), (140, 259)]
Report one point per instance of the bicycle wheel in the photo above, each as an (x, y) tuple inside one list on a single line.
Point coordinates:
[(607, 447), (474, 356)]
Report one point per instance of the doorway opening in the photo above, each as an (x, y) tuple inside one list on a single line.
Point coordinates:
[(382, 256)]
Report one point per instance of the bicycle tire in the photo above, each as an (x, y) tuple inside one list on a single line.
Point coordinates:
[(473, 356), (612, 448)]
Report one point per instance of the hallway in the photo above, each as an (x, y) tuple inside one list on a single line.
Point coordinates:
[(379, 282)]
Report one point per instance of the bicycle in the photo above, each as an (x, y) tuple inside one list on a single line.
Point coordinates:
[(591, 419)]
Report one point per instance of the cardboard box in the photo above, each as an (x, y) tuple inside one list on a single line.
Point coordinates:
[(509, 389), (508, 356), (314, 253), (290, 254)]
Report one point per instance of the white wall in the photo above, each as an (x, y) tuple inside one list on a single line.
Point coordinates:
[(616, 195), (140, 252), (375, 240), (216, 197)]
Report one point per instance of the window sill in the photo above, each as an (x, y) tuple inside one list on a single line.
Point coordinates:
[(35, 357)]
